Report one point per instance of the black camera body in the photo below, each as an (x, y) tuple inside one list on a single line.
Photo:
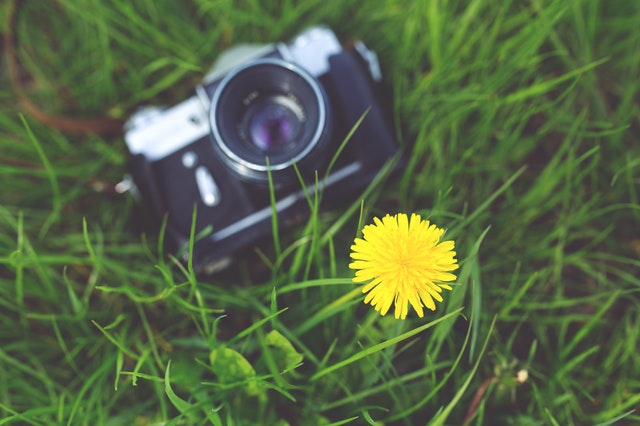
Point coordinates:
[(265, 118)]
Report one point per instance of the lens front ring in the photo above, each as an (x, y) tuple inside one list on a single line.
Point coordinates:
[(294, 116)]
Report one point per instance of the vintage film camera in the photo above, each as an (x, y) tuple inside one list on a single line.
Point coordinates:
[(260, 111)]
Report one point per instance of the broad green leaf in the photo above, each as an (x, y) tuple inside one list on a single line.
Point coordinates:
[(232, 367), (286, 355)]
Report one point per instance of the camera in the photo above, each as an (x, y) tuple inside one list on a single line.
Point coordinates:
[(268, 127)]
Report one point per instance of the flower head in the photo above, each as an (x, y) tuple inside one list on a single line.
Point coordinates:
[(402, 261)]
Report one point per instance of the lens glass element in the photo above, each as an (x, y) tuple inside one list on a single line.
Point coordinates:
[(273, 123)]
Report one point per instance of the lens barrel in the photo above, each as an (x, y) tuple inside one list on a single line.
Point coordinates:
[(271, 109)]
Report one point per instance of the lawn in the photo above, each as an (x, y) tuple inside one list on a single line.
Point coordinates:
[(519, 121)]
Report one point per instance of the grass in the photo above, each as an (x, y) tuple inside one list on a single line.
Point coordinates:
[(522, 120)]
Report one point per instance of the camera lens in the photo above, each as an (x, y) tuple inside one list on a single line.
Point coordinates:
[(269, 110)]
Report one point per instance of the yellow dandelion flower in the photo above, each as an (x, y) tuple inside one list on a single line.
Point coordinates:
[(402, 261)]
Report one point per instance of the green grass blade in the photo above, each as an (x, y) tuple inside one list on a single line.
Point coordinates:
[(380, 346)]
